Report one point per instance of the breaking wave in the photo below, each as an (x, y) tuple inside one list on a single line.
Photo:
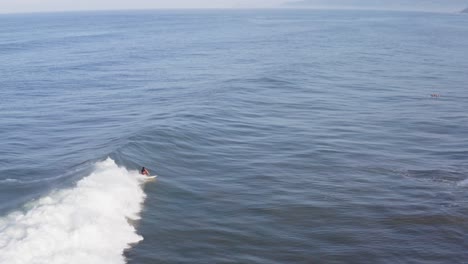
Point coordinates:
[(89, 223)]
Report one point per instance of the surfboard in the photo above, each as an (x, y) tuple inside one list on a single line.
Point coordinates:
[(151, 178)]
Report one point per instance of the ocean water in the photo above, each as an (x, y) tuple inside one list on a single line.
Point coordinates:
[(278, 136)]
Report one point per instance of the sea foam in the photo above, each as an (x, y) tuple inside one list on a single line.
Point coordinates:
[(89, 223)]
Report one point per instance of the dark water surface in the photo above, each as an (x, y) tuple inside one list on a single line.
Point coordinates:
[(278, 137)]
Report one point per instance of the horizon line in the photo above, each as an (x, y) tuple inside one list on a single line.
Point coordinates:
[(224, 9)]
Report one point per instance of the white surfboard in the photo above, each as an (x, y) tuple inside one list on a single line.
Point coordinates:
[(151, 178)]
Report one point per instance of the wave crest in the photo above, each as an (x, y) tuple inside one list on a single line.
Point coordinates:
[(85, 224)]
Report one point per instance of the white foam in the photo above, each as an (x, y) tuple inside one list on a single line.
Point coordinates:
[(85, 224)]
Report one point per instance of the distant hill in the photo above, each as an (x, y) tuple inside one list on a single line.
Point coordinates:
[(417, 5)]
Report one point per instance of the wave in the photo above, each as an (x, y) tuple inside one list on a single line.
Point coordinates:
[(8, 180), (89, 223), (463, 183)]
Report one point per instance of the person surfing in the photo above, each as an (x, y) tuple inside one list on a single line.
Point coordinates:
[(144, 171)]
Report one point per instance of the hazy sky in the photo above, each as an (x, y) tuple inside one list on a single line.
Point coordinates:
[(9, 6)]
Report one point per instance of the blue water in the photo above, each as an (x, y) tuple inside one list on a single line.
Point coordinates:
[(277, 137)]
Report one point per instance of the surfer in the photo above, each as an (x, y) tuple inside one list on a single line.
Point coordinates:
[(144, 171)]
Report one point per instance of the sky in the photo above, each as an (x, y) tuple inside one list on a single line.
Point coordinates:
[(15, 6)]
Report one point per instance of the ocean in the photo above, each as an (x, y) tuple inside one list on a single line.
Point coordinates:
[(278, 136)]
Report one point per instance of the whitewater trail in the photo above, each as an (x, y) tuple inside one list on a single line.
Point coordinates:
[(88, 223)]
